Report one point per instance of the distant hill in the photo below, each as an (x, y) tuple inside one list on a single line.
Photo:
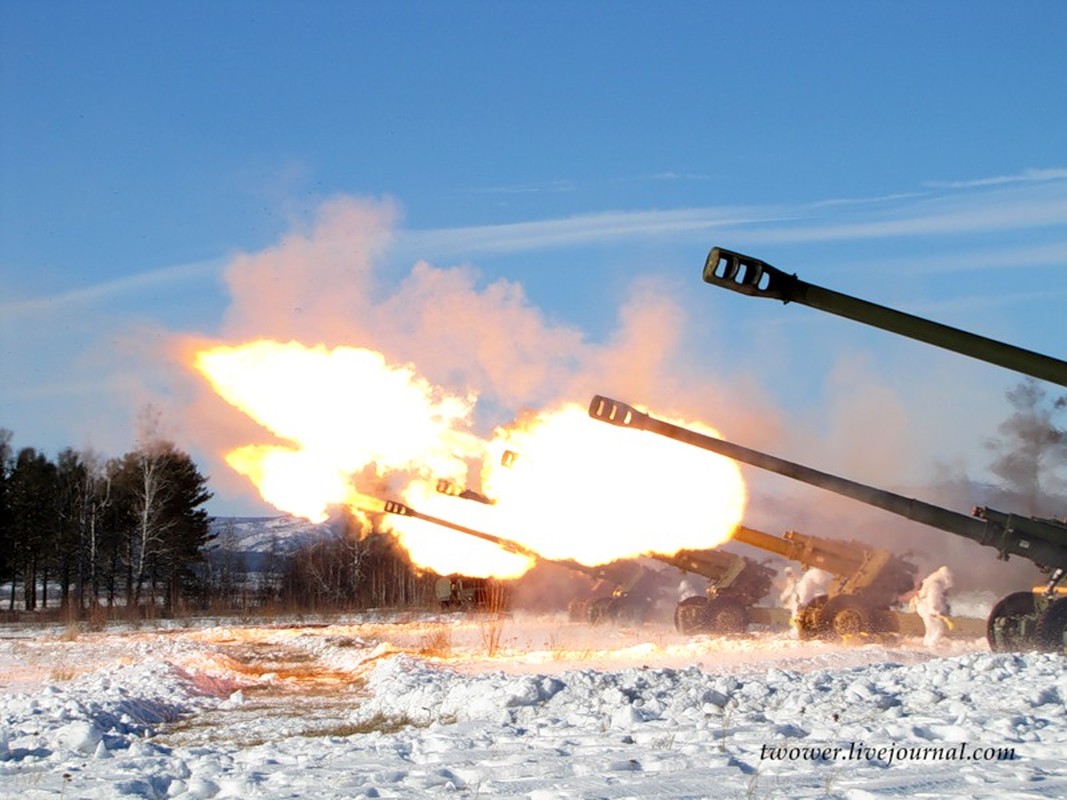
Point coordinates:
[(252, 541), (282, 534)]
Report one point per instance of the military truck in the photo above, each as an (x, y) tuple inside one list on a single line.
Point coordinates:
[(462, 592)]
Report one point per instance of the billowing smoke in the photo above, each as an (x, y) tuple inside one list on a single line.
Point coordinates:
[(1030, 452), (869, 432), (323, 285)]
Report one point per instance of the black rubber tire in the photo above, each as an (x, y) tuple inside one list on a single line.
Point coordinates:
[(691, 616), (1051, 626), (727, 616), (602, 611), (846, 616), (1007, 612), (807, 618)]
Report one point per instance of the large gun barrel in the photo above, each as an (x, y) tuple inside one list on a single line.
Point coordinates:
[(394, 507), (750, 276), (450, 488), (1042, 541), (765, 541), (715, 565), (833, 555)]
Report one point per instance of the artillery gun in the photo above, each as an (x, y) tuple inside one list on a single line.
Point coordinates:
[(623, 601), (869, 581), (1024, 618), (736, 583), (453, 591), (728, 269), (462, 592), (626, 601)]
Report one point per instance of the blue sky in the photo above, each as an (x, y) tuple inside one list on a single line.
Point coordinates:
[(590, 153)]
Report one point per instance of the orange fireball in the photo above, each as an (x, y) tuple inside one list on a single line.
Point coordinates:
[(576, 489), (339, 411)]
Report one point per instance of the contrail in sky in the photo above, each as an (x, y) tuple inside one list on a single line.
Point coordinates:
[(1033, 199)]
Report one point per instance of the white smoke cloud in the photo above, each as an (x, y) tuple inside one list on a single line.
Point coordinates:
[(322, 285)]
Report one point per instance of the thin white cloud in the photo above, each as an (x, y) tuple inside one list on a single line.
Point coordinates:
[(1034, 199), (1019, 257), (936, 219), (999, 208), (566, 185), (867, 201), (586, 229), (679, 176), (525, 188), (976, 304), (128, 284), (1026, 176)]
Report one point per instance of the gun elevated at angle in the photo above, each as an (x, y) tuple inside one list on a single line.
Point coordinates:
[(448, 487), (376, 505), (750, 276), (1042, 541), (733, 576), (844, 558)]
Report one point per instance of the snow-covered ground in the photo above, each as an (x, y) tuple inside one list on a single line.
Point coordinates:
[(413, 706)]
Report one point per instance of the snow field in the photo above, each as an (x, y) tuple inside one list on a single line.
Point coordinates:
[(351, 710)]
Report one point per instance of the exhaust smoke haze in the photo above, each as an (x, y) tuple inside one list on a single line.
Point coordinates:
[(356, 392), (497, 355)]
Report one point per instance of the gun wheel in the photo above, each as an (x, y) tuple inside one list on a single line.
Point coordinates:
[(845, 616), (727, 616), (1051, 627), (691, 616), (578, 610), (1007, 627), (602, 611), (807, 617)]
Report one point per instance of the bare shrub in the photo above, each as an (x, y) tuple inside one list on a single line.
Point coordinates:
[(491, 618), (437, 642), (71, 630), (61, 674), (379, 723)]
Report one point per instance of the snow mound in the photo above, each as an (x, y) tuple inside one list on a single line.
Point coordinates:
[(1021, 696), (363, 718), (102, 711)]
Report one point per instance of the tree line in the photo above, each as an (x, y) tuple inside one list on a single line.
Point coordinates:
[(120, 531), (85, 534), (346, 568), (81, 532)]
